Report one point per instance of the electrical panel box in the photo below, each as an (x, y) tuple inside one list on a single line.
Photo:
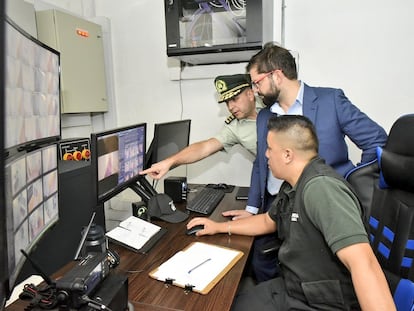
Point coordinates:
[(218, 31), (83, 82)]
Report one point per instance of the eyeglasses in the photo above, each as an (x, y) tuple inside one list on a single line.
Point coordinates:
[(256, 83)]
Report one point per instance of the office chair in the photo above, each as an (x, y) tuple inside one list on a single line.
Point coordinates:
[(364, 178), (390, 210)]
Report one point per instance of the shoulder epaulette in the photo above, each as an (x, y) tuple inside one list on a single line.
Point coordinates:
[(229, 119)]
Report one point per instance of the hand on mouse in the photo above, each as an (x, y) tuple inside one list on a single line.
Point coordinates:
[(210, 227), (237, 214)]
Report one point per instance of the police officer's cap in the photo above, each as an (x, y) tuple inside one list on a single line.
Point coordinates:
[(229, 86)]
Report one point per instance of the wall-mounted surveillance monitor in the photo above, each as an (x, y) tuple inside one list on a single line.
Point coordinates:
[(31, 188), (32, 90), (214, 32), (117, 157)]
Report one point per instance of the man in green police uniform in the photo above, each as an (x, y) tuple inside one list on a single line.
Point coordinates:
[(239, 128)]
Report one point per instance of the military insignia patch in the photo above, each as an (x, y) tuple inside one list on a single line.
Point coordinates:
[(229, 119), (221, 86)]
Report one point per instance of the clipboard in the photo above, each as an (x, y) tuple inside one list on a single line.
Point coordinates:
[(198, 267)]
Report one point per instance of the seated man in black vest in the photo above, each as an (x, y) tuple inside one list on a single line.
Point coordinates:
[(326, 260)]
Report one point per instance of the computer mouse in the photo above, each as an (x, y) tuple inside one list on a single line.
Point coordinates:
[(194, 230)]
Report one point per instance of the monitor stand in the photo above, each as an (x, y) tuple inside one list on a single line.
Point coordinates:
[(144, 189), (147, 186), (140, 190)]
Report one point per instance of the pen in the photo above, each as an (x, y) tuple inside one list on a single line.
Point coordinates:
[(200, 264)]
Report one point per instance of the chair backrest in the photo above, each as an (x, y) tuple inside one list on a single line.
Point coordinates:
[(365, 178), (391, 208)]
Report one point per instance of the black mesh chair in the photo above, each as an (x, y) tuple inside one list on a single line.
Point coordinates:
[(386, 191)]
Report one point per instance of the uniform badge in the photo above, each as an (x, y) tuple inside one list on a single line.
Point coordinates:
[(221, 86), (229, 119)]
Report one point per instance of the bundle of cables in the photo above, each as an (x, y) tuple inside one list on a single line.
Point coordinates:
[(41, 297), (48, 297)]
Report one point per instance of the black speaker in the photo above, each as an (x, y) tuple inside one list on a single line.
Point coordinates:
[(176, 188)]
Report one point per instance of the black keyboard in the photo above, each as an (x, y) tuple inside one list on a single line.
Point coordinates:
[(205, 201)]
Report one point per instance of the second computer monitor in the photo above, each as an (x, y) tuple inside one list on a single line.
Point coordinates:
[(169, 138), (117, 157)]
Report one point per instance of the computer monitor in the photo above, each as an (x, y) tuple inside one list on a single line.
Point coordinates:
[(32, 93), (30, 122), (117, 157), (31, 197), (169, 138)]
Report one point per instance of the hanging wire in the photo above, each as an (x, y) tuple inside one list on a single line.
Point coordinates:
[(282, 22)]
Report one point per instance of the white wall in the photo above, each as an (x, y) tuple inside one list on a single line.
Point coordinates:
[(151, 88), (363, 47)]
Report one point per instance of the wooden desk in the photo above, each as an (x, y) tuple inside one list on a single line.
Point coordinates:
[(146, 293)]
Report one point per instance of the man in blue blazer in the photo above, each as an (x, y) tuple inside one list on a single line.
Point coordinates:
[(274, 75)]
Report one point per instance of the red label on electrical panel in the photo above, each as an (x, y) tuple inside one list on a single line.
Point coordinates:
[(82, 33)]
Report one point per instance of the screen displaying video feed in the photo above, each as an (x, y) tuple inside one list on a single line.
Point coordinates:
[(31, 181), (117, 158), (32, 89)]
